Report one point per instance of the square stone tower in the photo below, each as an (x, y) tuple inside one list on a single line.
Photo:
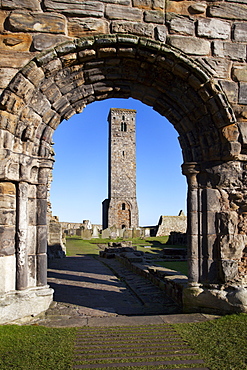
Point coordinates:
[(120, 209)]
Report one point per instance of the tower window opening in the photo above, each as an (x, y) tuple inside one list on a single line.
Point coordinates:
[(123, 126), (123, 154), (123, 206), (123, 118)]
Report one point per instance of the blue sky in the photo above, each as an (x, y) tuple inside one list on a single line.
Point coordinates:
[(80, 171)]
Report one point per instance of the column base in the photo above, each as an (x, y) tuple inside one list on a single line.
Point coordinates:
[(215, 299), (23, 304)]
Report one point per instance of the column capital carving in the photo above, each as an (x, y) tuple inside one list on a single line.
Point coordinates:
[(190, 168)]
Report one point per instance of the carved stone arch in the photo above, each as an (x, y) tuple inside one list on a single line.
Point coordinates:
[(60, 83), (124, 214)]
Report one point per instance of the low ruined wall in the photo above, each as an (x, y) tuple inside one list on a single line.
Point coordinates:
[(168, 224), (170, 282), (56, 247)]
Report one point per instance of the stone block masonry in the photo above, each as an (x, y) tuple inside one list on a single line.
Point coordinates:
[(202, 22), (120, 209), (168, 224), (215, 31), (185, 59)]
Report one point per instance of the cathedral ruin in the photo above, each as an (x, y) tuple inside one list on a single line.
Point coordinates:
[(120, 209), (186, 60)]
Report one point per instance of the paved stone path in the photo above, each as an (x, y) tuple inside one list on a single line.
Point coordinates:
[(88, 293), (153, 300), (122, 319), (89, 287)]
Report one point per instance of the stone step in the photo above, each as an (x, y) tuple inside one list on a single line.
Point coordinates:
[(143, 363), (137, 347), (152, 351), (143, 356), (153, 299)]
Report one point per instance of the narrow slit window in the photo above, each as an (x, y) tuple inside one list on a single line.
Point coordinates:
[(123, 206), (123, 126)]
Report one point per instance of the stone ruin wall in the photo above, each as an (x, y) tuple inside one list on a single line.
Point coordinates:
[(168, 224), (198, 51), (215, 33), (70, 227), (56, 242)]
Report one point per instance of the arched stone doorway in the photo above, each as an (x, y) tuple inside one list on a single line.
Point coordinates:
[(60, 83), (124, 215)]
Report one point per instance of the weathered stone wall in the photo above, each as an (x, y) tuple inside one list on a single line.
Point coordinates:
[(56, 242), (69, 228), (214, 33), (8, 221), (167, 224), (122, 209), (187, 60), (84, 229)]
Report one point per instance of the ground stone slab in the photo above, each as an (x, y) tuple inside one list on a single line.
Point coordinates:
[(115, 347), (91, 287)]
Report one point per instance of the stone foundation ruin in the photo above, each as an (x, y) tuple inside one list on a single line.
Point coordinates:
[(56, 241), (168, 224)]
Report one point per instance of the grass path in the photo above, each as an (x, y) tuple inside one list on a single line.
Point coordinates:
[(77, 246), (136, 347), (221, 343)]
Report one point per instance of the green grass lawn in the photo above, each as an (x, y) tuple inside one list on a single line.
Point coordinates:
[(222, 343), (76, 246), (36, 348), (181, 266)]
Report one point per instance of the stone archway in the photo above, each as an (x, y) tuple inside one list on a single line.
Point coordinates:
[(60, 83)]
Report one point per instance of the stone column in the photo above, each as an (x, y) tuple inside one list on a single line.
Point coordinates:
[(210, 208), (7, 237), (41, 235), (22, 232), (42, 192), (32, 235), (190, 171)]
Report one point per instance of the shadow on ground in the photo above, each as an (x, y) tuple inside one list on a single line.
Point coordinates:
[(88, 283)]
